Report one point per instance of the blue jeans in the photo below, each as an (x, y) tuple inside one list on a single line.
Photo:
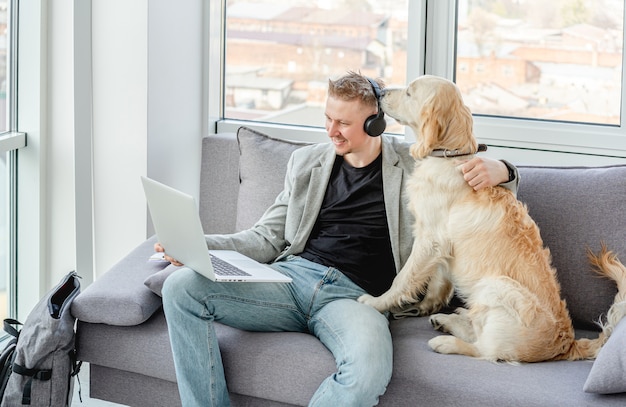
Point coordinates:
[(320, 301)]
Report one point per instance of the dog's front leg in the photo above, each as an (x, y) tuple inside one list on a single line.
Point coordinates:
[(408, 284), (438, 294)]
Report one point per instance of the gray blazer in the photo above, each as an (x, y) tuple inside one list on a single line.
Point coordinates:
[(286, 225)]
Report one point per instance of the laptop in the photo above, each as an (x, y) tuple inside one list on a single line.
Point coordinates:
[(179, 230)]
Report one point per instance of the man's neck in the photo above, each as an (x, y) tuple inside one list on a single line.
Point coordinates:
[(365, 156)]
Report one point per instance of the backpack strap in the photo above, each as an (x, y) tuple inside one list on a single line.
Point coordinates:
[(39, 374), (8, 327), (76, 364)]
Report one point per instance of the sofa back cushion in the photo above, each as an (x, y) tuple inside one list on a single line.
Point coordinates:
[(262, 167), (578, 208), (219, 183)]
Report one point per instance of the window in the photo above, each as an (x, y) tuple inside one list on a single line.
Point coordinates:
[(537, 76)]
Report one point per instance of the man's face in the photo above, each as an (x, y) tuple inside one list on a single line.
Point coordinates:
[(344, 125)]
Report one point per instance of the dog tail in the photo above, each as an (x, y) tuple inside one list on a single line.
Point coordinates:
[(608, 265)]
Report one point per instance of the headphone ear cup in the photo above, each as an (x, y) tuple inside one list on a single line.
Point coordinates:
[(375, 124)]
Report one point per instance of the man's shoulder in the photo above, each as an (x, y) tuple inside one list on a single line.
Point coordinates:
[(316, 149), (398, 146)]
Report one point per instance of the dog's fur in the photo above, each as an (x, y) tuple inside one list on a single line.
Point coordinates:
[(483, 244)]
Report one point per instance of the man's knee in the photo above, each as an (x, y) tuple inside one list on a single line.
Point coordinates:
[(176, 283)]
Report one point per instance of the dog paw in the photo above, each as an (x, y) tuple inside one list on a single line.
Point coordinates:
[(443, 344), (371, 301), (428, 307), (449, 344), (438, 322), (366, 299)]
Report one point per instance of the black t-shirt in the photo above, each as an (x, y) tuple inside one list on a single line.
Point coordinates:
[(351, 231)]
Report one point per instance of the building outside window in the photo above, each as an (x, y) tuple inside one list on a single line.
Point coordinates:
[(557, 60), (280, 55)]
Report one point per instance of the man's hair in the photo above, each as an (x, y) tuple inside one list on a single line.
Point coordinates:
[(352, 86)]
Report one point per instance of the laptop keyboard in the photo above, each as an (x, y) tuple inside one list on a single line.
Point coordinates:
[(221, 268)]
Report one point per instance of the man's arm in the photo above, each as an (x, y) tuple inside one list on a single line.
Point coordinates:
[(482, 172)]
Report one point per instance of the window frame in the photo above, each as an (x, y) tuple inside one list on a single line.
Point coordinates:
[(30, 119), (432, 51), (10, 141)]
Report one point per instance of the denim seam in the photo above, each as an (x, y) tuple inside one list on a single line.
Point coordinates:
[(237, 299)]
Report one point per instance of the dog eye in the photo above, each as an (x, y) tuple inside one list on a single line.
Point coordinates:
[(408, 93)]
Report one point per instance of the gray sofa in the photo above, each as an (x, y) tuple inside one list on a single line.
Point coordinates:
[(122, 331)]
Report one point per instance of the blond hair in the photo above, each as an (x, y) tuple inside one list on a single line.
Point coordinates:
[(352, 86)]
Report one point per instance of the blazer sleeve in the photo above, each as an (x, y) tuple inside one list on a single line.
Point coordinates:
[(513, 184)]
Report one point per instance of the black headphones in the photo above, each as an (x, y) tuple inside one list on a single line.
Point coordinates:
[(375, 124)]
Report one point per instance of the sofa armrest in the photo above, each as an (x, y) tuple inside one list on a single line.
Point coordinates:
[(119, 296)]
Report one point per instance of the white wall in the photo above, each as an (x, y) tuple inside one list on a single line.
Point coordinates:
[(147, 113), (59, 171), (175, 92), (120, 122)]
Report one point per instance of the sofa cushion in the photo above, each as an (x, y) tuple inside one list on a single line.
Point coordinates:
[(119, 297), (437, 379), (608, 373), (262, 166), (283, 366), (155, 281), (289, 367), (577, 208), (219, 183)]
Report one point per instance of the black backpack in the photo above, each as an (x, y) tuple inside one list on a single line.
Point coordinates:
[(38, 365)]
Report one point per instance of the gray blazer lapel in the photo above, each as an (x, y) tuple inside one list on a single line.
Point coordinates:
[(392, 186), (315, 196)]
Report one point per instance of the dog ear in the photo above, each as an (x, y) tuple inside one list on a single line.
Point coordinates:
[(415, 150), (445, 123), (431, 128), (462, 127)]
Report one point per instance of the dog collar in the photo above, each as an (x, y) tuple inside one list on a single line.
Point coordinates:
[(444, 152)]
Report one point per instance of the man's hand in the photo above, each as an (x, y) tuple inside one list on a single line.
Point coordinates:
[(482, 172), (160, 249)]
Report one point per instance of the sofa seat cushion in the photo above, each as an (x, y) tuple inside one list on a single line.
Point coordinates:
[(289, 367), (119, 296), (143, 349), (454, 380), (578, 208)]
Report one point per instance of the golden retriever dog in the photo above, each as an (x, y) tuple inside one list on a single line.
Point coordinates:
[(483, 244)]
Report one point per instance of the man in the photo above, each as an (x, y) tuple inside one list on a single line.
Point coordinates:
[(339, 229)]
